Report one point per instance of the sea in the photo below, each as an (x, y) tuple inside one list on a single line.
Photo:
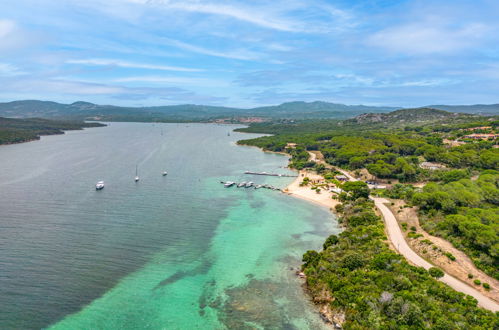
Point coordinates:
[(167, 252)]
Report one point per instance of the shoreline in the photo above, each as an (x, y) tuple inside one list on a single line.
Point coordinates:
[(324, 198)]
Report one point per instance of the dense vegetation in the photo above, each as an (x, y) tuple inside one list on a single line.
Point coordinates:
[(466, 213), (22, 130), (358, 275), (385, 149)]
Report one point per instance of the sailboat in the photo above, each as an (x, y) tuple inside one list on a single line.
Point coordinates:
[(136, 174)]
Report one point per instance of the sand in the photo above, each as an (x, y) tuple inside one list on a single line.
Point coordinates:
[(306, 193)]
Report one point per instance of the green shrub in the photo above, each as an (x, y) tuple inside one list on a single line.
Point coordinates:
[(477, 282), (414, 235), (331, 240), (436, 272), (486, 286), (450, 256)]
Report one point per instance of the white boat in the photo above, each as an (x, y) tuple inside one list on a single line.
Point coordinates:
[(164, 173), (228, 184), (99, 185), (242, 184), (136, 174), (249, 184)]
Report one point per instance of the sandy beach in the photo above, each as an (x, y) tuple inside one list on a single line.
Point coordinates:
[(306, 193)]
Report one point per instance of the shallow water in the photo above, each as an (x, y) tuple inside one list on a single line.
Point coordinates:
[(174, 252)]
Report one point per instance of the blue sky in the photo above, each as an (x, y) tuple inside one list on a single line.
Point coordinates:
[(250, 53)]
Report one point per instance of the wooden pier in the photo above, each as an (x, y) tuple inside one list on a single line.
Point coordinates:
[(271, 174)]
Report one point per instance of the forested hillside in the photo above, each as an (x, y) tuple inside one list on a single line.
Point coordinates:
[(357, 274), (372, 287), (23, 130)]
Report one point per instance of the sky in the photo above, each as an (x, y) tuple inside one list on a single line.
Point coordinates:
[(250, 53)]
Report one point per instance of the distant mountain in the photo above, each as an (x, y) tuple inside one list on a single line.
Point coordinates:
[(184, 112), (317, 109), (86, 110), (191, 112), (486, 109), (409, 116)]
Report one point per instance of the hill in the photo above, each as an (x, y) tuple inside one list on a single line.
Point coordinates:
[(365, 122), (317, 109), (298, 110), (23, 130), (409, 116), (85, 110), (184, 112), (485, 109)]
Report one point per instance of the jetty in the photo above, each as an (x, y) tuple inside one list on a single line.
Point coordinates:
[(271, 174), (244, 184)]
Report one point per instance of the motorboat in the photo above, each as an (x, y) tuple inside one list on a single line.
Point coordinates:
[(164, 173), (242, 184), (99, 185), (228, 184)]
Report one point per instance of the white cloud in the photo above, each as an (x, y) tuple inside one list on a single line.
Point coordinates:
[(242, 13), (7, 69), (6, 27), (174, 80), (428, 38), (58, 86), (125, 64), (234, 54)]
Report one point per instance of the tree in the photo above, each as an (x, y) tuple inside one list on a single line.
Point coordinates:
[(357, 189), (311, 258), (454, 175), (331, 240)]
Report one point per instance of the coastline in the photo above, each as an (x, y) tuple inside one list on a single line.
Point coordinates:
[(324, 198)]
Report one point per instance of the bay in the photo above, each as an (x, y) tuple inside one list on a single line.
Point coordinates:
[(172, 252)]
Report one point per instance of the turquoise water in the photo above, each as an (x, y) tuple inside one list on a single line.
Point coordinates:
[(175, 252)]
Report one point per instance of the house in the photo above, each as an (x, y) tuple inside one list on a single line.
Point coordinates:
[(478, 128), (291, 145), (475, 136), (376, 186), (431, 166), (341, 178)]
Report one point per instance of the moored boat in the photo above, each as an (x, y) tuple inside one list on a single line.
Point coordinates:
[(136, 174), (99, 185)]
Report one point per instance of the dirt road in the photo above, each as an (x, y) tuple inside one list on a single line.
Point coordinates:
[(397, 238)]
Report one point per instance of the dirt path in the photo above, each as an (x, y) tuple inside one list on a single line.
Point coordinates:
[(397, 238), (434, 250)]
